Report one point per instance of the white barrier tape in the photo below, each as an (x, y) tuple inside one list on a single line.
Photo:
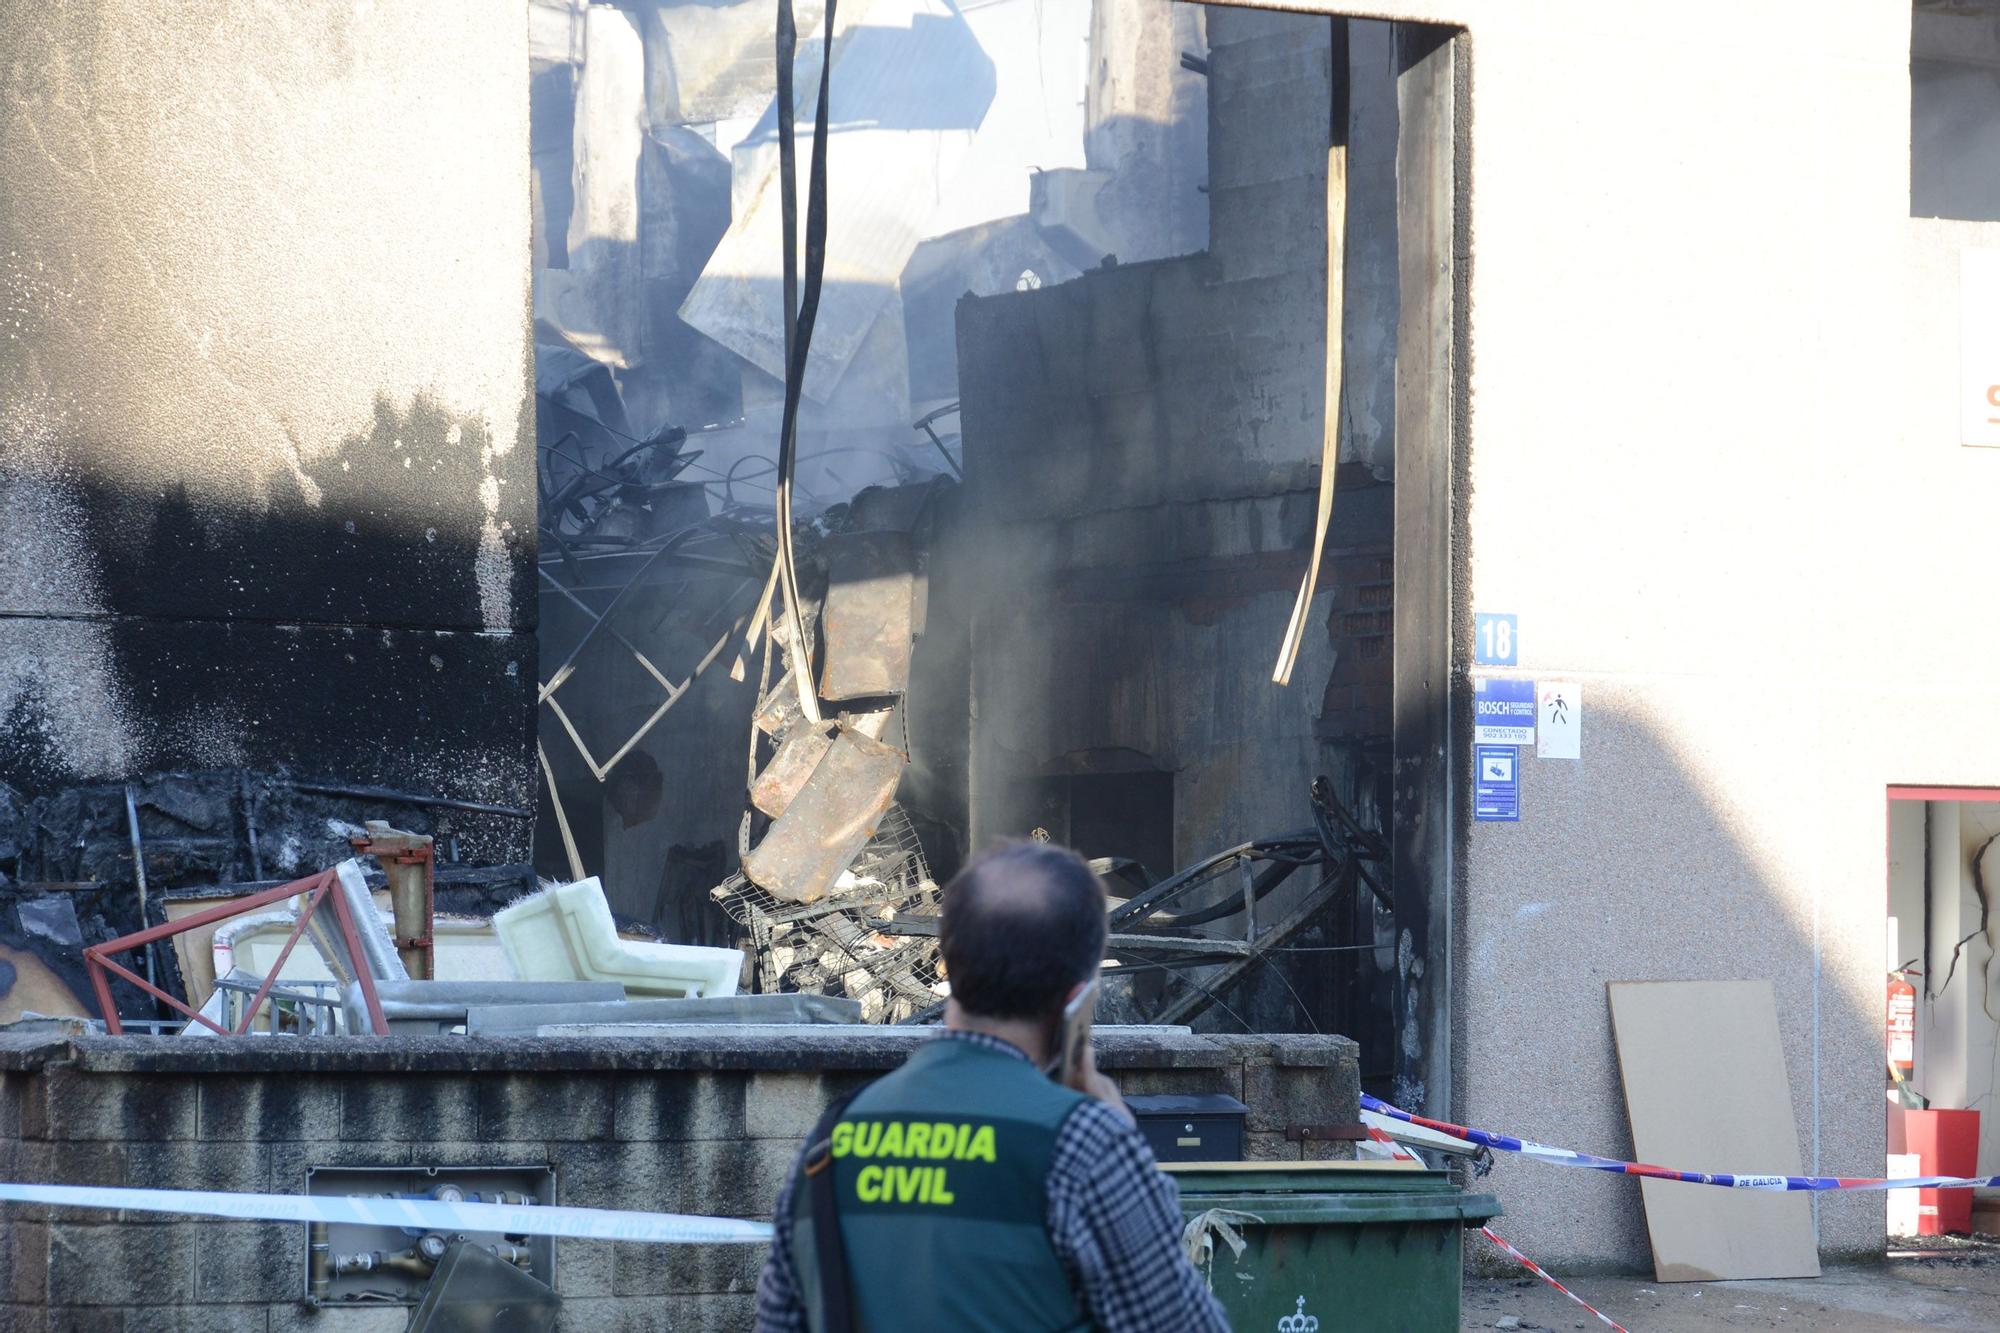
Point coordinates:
[(427, 1214)]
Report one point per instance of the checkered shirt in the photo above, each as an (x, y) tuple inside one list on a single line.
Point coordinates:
[(1113, 1217)]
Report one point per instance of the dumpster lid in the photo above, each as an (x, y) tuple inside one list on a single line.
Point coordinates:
[(1305, 1193), (1365, 1208), (1333, 1177)]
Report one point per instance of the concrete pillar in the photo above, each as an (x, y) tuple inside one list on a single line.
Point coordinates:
[(1146, 123), (1369, 391)]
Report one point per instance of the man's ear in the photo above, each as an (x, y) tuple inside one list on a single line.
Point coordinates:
[(1071, 994)]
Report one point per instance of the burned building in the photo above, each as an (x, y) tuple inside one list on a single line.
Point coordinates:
[(395, 427), (1143, 447), (1107, 320), (322, 519)]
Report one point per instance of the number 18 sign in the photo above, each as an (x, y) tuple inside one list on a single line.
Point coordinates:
[(1493, 640)]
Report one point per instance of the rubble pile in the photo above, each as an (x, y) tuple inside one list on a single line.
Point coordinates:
[(824, 854), (828, 858), (836, 946), (71, 863)]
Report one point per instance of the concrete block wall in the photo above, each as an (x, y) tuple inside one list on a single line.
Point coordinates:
[(1140, 385), (706, 1124), (1192, 378), (1360, 687), (1145, 442), (1270, 100)]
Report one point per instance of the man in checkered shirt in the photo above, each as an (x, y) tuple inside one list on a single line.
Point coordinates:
[(972, 1191)]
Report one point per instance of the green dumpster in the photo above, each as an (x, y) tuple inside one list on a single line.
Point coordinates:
[(1351, 1245)]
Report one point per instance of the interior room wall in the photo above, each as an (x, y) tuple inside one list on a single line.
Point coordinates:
[(1973, 992)]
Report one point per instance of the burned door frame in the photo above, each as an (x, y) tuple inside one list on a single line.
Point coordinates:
[(1430, 706)]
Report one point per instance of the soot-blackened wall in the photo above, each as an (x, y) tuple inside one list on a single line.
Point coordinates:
[(266, 458), (1142, 448)]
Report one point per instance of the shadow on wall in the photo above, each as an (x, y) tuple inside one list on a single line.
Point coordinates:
[(391, 528), (1625, 867), (341, 627)]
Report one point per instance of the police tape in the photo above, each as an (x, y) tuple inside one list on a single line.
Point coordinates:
[(1542, 1152), (416, 1214), (1545, 1276)]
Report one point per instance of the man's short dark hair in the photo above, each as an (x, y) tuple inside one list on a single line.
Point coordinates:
[(1022, 924)]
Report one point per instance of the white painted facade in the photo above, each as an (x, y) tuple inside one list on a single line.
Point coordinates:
[(1715, 471)]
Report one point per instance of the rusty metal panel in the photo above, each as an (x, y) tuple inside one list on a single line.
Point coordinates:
[(870, 614), (789, 769), (828, 822)]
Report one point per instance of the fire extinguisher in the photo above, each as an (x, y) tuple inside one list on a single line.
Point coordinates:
[(1902, 1027)]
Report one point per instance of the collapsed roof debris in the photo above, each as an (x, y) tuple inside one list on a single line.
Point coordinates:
[(68, 875), (827, 856), (1156, 938), (833, 894), (671, 542)]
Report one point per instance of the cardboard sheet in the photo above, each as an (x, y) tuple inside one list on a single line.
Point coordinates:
[(1706, 1090)]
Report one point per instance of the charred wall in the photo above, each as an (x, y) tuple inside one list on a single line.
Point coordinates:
[(1142, 454), (266, 462)]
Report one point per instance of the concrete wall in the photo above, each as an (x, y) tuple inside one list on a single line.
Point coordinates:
[(1144, 443), (266, 466), (1142, 449), (704, 1123), (1692, 507)]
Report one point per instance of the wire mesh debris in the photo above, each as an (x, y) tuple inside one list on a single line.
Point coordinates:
[(836, 946)]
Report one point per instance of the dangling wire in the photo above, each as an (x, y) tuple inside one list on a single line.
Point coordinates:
[(801, 310)]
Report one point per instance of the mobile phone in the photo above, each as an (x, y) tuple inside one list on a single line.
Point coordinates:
[(1074, 1034)]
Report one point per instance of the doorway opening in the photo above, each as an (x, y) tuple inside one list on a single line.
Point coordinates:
[(1941, 1015)]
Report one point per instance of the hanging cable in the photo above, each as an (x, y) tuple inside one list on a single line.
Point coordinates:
[(801, 309)]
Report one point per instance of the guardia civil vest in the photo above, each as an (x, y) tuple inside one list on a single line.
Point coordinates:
[(940, 1180)]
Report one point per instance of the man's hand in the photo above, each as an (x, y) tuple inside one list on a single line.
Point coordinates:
[(1087, 1079)]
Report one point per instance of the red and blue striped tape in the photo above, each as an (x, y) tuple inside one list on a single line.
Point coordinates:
[(1542, 1152), (1545, 1276)]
